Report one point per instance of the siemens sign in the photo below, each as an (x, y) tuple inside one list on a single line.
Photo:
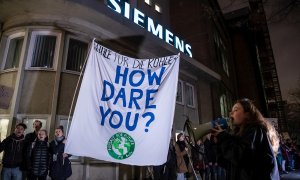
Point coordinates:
[(139, 18)]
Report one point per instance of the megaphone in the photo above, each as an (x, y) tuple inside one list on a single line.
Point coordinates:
[(198, 131)]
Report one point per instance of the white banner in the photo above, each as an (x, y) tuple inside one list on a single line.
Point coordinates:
[(125, 108)]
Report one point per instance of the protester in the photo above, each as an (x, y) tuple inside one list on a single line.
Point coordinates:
[(30, 137), (13, 154), (38, 157), (198, 158), (181, 156), (167, 171), (60, 165), (248, 153), (210, 158)]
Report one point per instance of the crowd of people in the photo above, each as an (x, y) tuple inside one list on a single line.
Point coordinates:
[(32, 157), (251, 149)]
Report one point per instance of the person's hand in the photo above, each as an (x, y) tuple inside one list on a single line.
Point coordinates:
[(65, 155), (186, 149), (217, 130)]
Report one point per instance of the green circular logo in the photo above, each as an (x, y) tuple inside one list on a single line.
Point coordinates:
[(120, 146)]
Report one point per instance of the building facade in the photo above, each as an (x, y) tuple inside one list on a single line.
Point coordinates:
[(44, 45)]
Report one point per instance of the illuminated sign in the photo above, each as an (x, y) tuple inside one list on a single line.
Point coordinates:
[(139, 18)]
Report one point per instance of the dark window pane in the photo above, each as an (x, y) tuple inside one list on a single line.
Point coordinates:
[(43, 52), (76, 55), (14, 52)]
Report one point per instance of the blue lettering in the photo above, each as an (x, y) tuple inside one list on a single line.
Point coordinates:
[(132, 74), (111, 119), (153, 76), (118, 75), (111, 87), (133, 99), (149, 98), (133, 126), (103, 115), (121, 95)]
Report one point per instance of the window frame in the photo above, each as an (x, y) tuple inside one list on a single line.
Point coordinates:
[(34, 34), (6, 46), (66, 50), (193, 95)]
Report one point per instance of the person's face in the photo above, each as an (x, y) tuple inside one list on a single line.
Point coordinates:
[(19, 131), (42, 135), (58, 133), (238, 114), (37, 125), (181, 138), (199, 142)]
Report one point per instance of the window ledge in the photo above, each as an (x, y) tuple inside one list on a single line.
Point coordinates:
[(9, 70)]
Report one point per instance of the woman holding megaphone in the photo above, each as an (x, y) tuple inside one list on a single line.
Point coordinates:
[(248, 152)]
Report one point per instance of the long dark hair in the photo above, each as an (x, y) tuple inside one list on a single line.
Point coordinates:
[(256, 118)]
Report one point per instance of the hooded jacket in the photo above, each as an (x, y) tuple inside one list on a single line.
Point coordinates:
[(13, 148), (247, 157)]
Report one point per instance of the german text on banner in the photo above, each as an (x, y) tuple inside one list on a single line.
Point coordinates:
[(125, 108)]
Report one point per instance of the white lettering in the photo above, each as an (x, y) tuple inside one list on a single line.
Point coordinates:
[(179, 44), (138, 17), (115, 7), (169, 37), (127, 10), (158, 31), (188, 48)]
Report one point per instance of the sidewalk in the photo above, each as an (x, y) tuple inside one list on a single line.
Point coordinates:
[(293, 175)]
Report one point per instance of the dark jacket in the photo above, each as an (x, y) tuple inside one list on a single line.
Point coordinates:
[(60, 168), (13, 148), (30, 137), (247, 157), (39, 158)]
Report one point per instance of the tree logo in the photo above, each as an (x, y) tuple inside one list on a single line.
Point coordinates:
[(120, 146)]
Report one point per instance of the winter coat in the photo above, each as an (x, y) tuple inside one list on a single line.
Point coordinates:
[(181, 166), (249, 156), (60, 168), (39, 158), (13, 148)]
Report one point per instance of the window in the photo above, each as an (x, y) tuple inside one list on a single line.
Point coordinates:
[(179, 95), (148, 2), (157, 8), (77, 53), (221, 52), (43, 49), (190, 95), (223, 106), (13, 51), (64, 122), (3, 130)]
